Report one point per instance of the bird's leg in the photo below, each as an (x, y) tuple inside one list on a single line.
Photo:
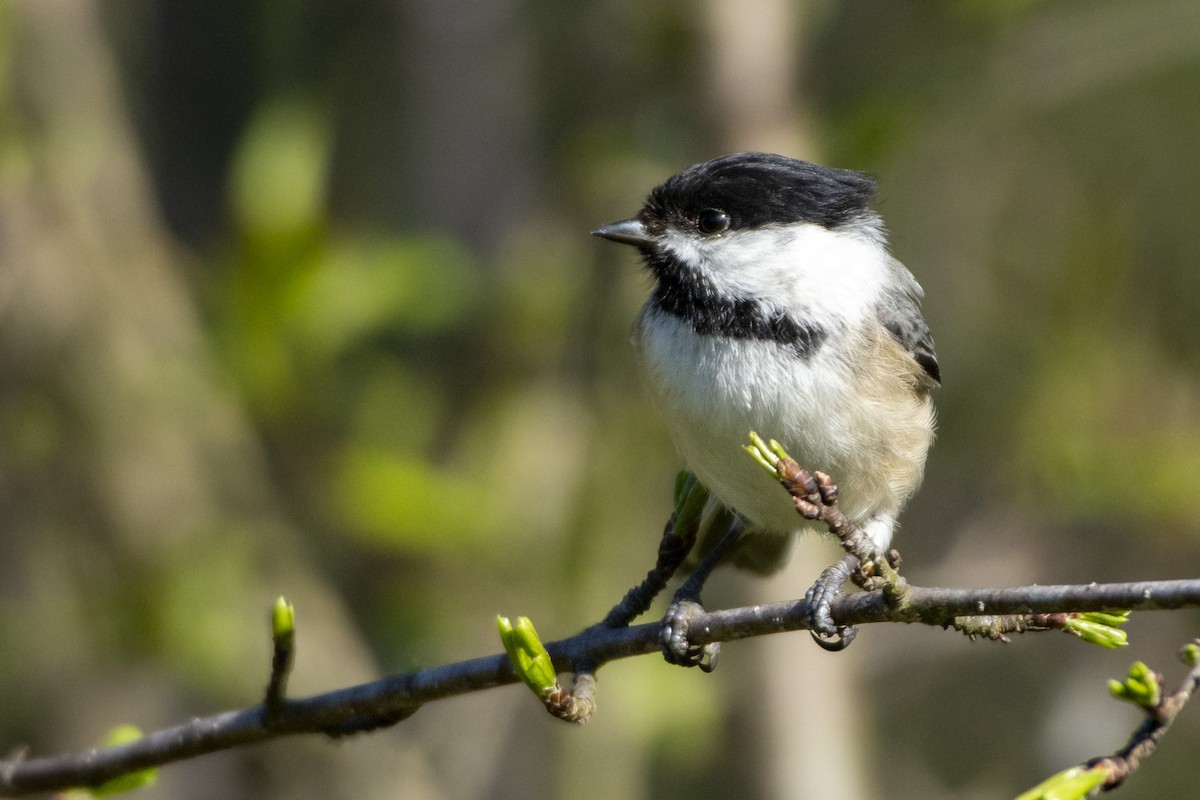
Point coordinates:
[(673, 548), (685, 606), (678, 539)]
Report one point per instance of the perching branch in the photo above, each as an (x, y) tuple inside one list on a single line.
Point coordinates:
[(990, 613), (401, 695)]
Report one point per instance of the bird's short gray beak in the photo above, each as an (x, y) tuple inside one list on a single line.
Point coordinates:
[(627, 231)]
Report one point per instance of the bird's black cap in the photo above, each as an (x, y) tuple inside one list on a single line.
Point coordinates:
[(758, 189)]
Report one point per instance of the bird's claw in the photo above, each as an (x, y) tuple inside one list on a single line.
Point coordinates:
[(677, 649), (825, 632)]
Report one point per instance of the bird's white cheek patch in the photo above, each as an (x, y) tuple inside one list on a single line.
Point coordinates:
[(805, 268), (688, 249)]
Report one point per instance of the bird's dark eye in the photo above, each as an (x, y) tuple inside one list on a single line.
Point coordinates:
[(712, 220)]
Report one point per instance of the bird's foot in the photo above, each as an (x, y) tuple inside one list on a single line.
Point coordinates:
[(825, 632), (685, 607), (676, 646)]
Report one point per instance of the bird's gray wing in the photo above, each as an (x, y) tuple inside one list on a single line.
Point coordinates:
[(900, 314)]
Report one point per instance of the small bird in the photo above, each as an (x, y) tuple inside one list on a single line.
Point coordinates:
[(777, 308)]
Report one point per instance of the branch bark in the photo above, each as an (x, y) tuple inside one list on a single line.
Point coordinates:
[(399, 696)]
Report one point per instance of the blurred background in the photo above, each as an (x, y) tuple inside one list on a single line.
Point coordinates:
[(299, 298)]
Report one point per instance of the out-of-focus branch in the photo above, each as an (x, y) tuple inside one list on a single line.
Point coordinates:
[(401, 695), (1159, 717), (1144, 688)]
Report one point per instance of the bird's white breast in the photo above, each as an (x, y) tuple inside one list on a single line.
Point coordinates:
[(867, 429)]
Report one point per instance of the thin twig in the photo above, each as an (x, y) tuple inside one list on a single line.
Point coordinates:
[(1146, 738)]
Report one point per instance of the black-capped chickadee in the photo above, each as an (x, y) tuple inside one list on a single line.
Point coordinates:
[(777, 308)]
